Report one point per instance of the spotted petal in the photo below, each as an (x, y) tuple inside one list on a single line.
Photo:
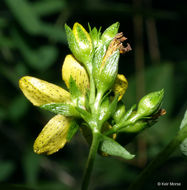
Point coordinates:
[(72, 67), (40, 92), (53, 136), (120, 86)]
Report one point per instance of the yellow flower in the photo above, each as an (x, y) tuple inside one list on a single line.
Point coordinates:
[(72, 67), (54, 135)]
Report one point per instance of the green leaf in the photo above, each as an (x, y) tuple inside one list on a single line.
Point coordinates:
[(113, 148), (23, 12), (183, 145), (43, 8), (61, 108), (72, 130), (6, 168), (54, 32), (18, 102), (31, 167), (39, 59)]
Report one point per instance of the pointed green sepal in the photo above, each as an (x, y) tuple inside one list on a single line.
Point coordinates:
[(80, 44), (77, 98), (110, 32), (84, 114), (72, 130), (95, 36)]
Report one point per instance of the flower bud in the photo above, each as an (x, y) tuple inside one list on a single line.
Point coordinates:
[(108, 73), (136, 127), (120, 111), (107, 108), (150, 103), (80, 43), (105, 65)]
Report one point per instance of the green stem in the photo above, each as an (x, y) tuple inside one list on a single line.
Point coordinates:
[(98, 101), (159, 160), (92, 91), (90, 161)]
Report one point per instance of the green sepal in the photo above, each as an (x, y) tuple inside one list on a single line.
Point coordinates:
[(73, 45), (110, 32), (183, 145), (61, 108), (107, 74), (74, 90), (84, 114), (113, 148), (98, 58), (95, 35), (80, 44), (72, 130)]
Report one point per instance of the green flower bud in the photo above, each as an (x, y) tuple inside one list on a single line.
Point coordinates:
[(108, 72), (80, 44), (119, 112), (138, 125), (110, 32), (134, 128), (104, 108), (105, 65), (107, 108), (150, 103)]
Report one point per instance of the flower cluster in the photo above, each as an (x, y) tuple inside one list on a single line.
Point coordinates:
[(93, 101)]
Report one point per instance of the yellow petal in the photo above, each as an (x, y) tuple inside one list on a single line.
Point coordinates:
[(40, 92), (120, 86), (72, 67), (53, 136)]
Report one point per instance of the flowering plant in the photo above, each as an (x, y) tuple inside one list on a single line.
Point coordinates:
[(93, 102)]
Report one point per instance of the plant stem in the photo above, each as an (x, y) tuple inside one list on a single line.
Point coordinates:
[(98, 101), (92, 91), (90, 161), (159, 160)]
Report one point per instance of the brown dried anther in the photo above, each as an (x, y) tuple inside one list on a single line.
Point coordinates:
[(160, 112), (116, 44)]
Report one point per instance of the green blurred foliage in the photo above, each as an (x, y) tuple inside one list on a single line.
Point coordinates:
[(33, 42)]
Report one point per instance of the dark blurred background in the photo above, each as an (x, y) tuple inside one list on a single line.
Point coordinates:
[(33, 42)]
